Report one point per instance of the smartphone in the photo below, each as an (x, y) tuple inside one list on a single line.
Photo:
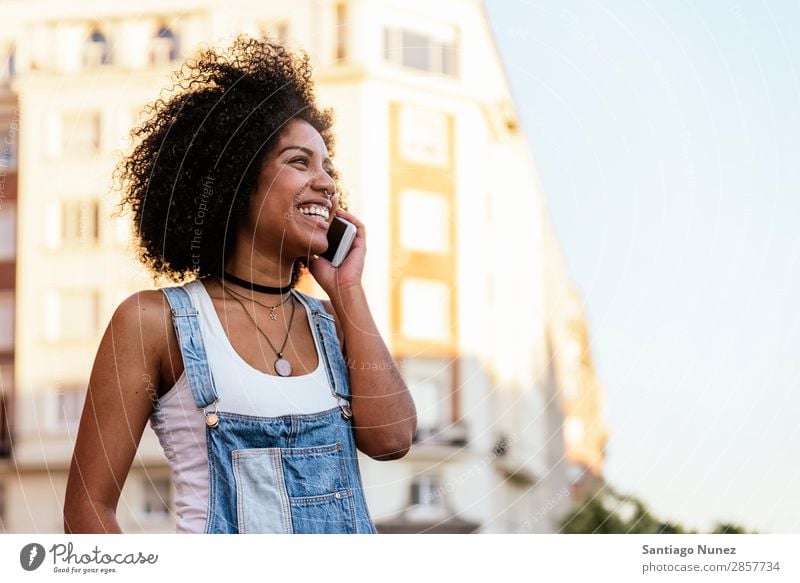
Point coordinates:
[(341, 234)]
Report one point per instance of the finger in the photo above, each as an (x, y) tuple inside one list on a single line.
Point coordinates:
[(361, 230), (350, 217)]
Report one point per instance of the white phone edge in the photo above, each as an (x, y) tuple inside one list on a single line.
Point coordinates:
[(344, 246)]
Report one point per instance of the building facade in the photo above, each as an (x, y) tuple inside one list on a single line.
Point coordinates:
[(9, 128), (459, 270)]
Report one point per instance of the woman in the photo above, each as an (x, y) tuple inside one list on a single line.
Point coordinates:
[(242, 377)]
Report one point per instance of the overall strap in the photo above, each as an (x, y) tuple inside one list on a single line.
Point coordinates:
[(195, 362), (324, 328)]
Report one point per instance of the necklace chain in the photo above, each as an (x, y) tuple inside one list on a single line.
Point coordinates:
[(272, 314), (252, 319)]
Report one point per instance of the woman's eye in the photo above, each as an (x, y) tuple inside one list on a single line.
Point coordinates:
[(302, 160)]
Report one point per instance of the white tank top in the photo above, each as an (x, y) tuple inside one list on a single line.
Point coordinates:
[(242, 389)]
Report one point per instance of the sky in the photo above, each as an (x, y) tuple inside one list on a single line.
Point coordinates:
[(667, 138)]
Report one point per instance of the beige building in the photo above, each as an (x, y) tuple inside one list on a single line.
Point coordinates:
[(9, 127), (567, 350), (460, 273)]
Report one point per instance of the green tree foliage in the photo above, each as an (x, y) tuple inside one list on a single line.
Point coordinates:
[(730, 528), (607, 512)]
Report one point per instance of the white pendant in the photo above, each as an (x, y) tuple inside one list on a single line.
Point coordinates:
[(283, 367)]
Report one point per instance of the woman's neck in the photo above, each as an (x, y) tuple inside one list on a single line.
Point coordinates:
[(260, 269)]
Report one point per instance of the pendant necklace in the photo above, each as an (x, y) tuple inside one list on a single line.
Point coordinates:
[(282, 366)]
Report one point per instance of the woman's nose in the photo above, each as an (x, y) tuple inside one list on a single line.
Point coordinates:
[(325, 183)]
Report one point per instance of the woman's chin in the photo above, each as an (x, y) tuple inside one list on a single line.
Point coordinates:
[(304, 244), (314, 248)]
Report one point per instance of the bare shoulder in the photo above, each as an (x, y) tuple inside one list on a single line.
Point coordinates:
[(147, 317), (145, 310)]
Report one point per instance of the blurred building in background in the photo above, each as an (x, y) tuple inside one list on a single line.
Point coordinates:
[(463, 273), (578, 388), (9, 127)]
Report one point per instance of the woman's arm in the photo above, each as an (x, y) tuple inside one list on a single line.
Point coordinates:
[(384, 415), (119, 400)]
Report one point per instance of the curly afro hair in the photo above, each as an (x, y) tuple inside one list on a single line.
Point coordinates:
[(190, 177)]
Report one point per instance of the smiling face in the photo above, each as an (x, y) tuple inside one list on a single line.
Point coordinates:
[(290, 213)]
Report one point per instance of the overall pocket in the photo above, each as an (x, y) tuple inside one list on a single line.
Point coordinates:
[(293, 490)]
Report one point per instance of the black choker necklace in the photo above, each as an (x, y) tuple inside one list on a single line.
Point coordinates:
[(256, 287)]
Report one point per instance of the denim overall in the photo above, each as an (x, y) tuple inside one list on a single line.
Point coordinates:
[(288, 474)]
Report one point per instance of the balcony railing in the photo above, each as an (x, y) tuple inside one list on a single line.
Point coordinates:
[(454, 435)]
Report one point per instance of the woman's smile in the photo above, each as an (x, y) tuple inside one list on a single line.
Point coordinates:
[(315, 220)]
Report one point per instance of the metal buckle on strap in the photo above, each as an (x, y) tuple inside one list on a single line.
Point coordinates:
[(212, 419), (184, 313), (324, 314), (344, 405)]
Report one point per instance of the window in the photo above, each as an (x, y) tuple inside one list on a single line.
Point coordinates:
[(416, 50), (156, 498), (73, 134), (274, 29), (79, 221), (80, 132), (427, 498), (425, 309), (430, 382), (6, 378), (423, 136), (341, 32), (72, 223), (9, 129), (96, 50), (425, 490), (573, 429), (8, 154), (70, 405), (280, 30), (70, 315), (8, 230), (7, 64), (122, 229), (424, 221), (6, 321), (164, 47), (421, 51), (448, 60)]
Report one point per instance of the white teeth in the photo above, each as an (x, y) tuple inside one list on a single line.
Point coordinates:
[(315, 211)]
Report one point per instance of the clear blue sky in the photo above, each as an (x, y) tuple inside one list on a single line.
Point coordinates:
[(666, 135)]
